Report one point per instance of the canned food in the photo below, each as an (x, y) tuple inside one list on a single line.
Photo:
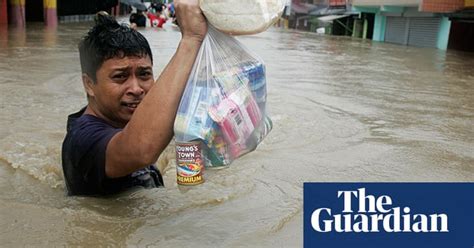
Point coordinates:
[(189, 163)]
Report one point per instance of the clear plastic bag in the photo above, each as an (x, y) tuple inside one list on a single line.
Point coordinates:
[(223, 104)]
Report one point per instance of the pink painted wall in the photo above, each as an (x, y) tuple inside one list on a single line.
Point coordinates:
[(50, 13), (3, 12), (17, 15)]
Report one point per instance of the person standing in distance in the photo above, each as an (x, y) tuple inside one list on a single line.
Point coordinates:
[(112, 143)]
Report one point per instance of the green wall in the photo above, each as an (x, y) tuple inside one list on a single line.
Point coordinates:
[(379, 27), (443, 33)]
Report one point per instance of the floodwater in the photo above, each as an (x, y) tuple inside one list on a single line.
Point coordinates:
[(343, 110)]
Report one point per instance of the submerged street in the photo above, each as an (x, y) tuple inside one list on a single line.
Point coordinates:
[(343, 110)]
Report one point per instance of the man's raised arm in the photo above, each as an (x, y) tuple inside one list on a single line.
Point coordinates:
[(150, 129)]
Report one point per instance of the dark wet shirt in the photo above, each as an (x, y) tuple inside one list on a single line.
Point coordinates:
[(83, 159)]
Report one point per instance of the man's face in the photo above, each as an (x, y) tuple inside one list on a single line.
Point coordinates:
[(120, 86)]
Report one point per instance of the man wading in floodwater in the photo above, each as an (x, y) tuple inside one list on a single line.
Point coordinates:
[(112, 143)]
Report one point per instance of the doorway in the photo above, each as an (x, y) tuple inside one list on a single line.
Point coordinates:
[(461, 36), (34, 11)]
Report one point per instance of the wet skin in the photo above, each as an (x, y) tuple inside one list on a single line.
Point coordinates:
[(121, 85)]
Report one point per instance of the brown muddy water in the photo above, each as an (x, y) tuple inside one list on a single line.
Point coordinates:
[(343, 110)]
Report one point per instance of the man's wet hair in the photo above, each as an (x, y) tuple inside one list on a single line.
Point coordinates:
[(108, 39)]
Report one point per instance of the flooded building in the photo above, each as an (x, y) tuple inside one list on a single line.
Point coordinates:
[(442, 24), (336, 17), (300, 17), (19, 12), (439, 24), (331, 16)]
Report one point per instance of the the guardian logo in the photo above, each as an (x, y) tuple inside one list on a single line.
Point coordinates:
[(388, 215), (374, 214)]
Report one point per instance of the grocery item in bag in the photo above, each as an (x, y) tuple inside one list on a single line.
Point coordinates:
[(189, 163)]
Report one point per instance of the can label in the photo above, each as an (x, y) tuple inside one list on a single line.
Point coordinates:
[(189, 163)]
